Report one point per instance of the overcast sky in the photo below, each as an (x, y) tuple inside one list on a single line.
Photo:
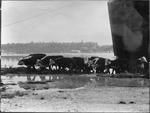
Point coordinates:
[(57, 21)]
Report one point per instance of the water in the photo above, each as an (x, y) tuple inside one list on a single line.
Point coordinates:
[(62, 81), (11, 60), (45, 81)]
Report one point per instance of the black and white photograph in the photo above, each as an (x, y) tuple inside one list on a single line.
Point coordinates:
[(75, 56)]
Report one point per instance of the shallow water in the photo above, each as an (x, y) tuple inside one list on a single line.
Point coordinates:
[(45, 81), (40, 82)]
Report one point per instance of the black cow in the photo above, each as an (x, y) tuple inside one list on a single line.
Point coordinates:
[(119, 65), (71, 64), (44, 62), (100, 65), (142, 65), (91, 62), (64, 64), (80, 65), (30, 60)]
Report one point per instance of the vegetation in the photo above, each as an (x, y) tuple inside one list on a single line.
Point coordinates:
[(53, 47)]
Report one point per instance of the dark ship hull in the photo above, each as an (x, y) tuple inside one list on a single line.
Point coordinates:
[(129, 20)]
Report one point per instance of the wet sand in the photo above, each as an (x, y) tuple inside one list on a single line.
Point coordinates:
[(89, 97)]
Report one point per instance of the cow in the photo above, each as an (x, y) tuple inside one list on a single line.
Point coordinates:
[(142, 65), (118, 65), (92, 59), (65, 64), (91, 63), (99, 64), (30, 60), (44, 62), (80, 65)]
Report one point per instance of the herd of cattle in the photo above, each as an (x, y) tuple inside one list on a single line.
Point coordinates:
[(92, 64)]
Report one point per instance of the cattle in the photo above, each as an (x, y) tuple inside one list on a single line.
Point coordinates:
[(91, 62), (64, 64), (30, 60), (99, 64), (141, 65), (71, 64), (118, 65), (80, 65), (44, 62)]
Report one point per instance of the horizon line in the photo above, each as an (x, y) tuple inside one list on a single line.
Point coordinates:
[(52, 42)]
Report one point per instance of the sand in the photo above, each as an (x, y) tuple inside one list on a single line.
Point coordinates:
[(89, 98)]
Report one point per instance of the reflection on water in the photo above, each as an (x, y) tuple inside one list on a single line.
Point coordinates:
[(39, 82), (12, 60), (30, 78), (13, 79), (9, 63), (43, 78)]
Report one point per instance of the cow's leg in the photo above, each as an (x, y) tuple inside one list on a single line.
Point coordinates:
[(29, 78), (28, 69), (1, 81), (33, 79), (42, 68), (111, 71), (50, 68), (107, 71), (116, 70), (33, 67)]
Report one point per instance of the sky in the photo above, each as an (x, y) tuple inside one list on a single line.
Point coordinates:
[(55, 21)]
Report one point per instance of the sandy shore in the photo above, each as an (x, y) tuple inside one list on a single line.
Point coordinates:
[(85, 99)]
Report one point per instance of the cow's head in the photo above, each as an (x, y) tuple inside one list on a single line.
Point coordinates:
[(143, 60), (40, 63), (24, 59), (89, 63), (21, 62), (51, 62), (107, 62)]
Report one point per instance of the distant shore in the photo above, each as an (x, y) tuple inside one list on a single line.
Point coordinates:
[(80, 47)]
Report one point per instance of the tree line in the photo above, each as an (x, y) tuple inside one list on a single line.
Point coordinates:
[(54, 47)]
